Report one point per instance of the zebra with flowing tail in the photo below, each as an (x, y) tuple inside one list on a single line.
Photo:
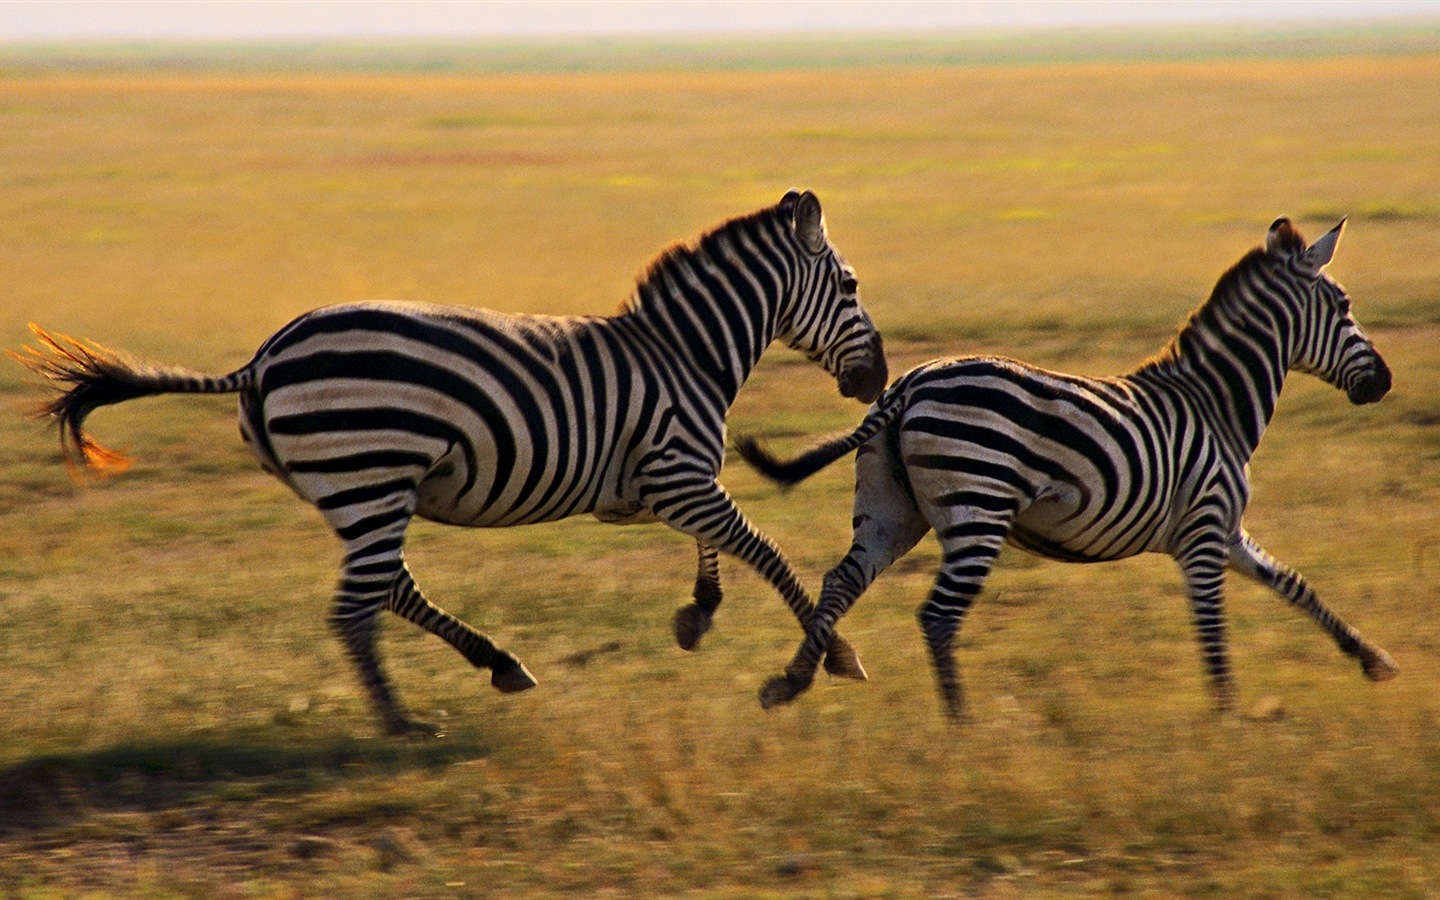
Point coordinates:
[(378, 412), (988, 451)]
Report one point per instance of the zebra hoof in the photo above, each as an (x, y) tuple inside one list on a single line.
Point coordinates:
[(781, 689), (1378, 664), (842, 662), (511, 677), (958, 718), (691, 623)]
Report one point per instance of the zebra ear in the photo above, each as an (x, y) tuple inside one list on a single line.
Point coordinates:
[(810, 223), (1283, 239), (1323, 250)]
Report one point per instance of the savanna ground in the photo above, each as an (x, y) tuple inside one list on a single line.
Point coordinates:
[(177, 719)]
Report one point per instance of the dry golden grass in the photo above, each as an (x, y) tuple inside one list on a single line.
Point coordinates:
[(178, 721)]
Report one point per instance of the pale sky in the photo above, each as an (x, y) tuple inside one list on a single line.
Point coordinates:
[(26, 20)]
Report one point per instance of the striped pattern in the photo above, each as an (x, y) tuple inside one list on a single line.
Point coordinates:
[(380, 412), (988, 451)]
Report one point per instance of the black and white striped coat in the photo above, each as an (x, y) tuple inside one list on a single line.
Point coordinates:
[(987, 451), (380, 412)]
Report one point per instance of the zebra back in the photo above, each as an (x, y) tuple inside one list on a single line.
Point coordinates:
[(545, 417)]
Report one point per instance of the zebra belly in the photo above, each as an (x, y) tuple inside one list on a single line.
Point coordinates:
[(625, 513), (454, 478), (1039, 544)]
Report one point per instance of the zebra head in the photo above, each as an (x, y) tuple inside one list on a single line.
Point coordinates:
[(823, 318), (1328, 340)]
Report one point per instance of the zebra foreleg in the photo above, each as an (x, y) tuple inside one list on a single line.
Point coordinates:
[(1250, 559), (1202, 561), (692, 621), (707, 513), (507, 674)]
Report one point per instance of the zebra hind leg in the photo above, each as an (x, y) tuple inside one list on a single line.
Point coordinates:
[(358, 601), (940, 617), (970, 540), (375, 577), (507, 674), (836, 597)]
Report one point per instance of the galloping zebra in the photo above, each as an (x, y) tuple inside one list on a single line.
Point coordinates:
[(987, 451), (379, 412)]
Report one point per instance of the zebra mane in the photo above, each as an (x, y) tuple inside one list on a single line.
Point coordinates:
[(1204, 315), (1284, 238), (673, 257), (1225, 285)]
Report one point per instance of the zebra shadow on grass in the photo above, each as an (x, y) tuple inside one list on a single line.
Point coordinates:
[(56, 791)]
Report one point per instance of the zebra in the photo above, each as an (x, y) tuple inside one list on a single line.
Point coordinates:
[(988, 451), (379, 412)]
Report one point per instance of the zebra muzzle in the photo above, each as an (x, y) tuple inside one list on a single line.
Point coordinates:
[(1372, 386), (865, 379)]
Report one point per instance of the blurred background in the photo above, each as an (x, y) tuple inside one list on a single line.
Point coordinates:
[(1059, 182)]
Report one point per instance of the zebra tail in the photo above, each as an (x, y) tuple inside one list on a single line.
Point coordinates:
[(790, 472), (88, 376)]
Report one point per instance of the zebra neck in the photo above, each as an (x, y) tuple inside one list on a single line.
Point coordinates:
[(1230, 368), (714, 338)]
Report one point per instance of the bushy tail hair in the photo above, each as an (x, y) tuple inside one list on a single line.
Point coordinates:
[(789, 472), (89, 376)]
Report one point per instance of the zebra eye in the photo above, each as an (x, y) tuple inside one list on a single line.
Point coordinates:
[(848, 284)]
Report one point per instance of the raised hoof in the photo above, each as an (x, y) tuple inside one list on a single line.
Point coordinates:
[(691, 623), (842, 662), (1377, 663), (781, 689), (511, 677)]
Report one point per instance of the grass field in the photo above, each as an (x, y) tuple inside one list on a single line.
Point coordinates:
[(179, 721)]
